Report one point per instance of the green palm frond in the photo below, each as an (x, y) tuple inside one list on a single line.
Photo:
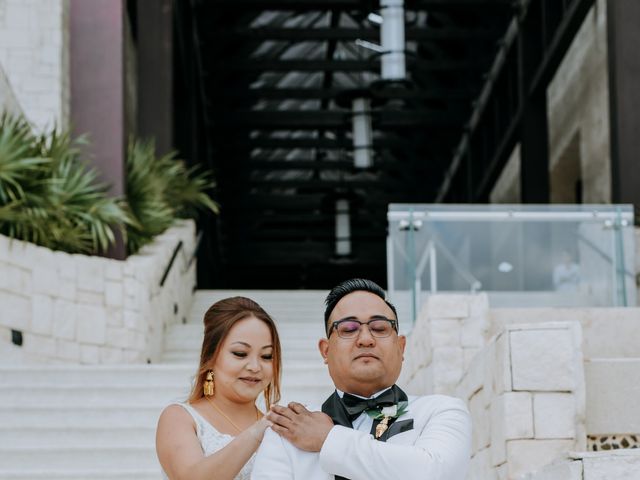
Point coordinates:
[(52, 198), (160, 189), (20, 163)]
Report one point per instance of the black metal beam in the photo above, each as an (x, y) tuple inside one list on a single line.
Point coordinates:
[(323, 65), (365, 5), (319, 119), (324, 34), (435, 93), (623, 18)]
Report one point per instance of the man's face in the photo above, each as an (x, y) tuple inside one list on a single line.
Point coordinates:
[(365, 364)]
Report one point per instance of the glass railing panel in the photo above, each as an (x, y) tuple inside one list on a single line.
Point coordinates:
[(521, 255)]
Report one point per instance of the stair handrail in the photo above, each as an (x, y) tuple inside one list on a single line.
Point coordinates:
[(188, 260)]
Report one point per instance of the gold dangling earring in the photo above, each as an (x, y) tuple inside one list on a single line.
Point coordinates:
[(209, 387)]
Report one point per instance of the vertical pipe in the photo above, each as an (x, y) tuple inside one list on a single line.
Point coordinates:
[(362, 136), (343, 228), (392, 39)]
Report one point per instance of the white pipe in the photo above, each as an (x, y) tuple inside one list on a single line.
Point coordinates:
[(392, 39), (362, 136), (343, 228)]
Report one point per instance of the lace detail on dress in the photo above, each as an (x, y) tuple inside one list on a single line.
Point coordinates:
[(212, 440)]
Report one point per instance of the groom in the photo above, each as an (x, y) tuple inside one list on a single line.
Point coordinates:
[(369, 429)]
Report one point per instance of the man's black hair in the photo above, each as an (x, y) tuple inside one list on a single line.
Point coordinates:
[(350, 286)]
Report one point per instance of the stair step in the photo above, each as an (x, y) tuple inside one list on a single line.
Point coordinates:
[(79, 458), (68, 416), (95, 375), (77, 436), (105, 395), (30, 473)]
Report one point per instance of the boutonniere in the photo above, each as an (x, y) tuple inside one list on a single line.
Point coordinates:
[(385, 415)]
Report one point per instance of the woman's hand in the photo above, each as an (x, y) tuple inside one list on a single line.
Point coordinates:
[(257, 429)]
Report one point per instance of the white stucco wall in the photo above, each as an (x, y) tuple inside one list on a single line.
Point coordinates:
[(34, 53)]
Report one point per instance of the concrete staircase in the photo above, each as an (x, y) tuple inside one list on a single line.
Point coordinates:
[(98, 422)]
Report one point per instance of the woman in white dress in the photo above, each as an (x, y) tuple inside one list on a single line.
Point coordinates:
[(217, 431)]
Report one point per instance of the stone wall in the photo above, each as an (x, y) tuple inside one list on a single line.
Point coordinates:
[(526, 395), (8, 102), (34, 52), (81, 309), (449, 331), (618, 465)]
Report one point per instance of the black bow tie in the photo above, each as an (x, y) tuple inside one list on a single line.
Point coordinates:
[(355, 405)]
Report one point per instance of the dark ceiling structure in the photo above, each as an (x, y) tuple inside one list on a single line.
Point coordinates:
[(263, 97)]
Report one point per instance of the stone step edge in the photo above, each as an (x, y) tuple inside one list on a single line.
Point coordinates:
[(132, 367), (87, 473)]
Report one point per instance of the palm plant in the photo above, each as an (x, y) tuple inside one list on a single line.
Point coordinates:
[(48, 196), (160, 189)]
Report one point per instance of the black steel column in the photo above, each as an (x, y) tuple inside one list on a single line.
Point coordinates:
[(624, 99), (534, 143)]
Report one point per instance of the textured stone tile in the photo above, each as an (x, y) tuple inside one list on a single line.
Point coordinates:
[(555, 415), (91, 325), (113, 294), (448, 306), (445, 332), (67, 350), (473, 332), (480, 416), (543, 360), (64, 319), (524, 456), (41, 315), (15, 312)]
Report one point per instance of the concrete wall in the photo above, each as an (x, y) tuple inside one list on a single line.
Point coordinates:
[(578, 110), (578, 106), (34, 53), (81, 309)]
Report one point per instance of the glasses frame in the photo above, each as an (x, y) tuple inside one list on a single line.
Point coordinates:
[(334, 326)]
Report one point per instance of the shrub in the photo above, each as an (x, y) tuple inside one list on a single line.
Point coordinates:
[(48, 196), (159, 190)]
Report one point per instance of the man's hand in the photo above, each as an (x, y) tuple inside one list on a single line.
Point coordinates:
[(304, 429)]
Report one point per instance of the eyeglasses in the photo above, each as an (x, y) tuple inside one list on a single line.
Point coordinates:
[(378, 327)]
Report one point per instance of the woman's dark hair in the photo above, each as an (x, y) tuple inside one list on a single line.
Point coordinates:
[(218, 321), (350, 286)]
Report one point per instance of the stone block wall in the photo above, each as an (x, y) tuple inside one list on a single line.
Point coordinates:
[(8, 102), (82, 309), (525, 391), (449, 331), (34, 53), (618, 465)]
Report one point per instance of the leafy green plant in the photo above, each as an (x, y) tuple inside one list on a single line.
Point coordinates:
[(48, 196), (159, 190)]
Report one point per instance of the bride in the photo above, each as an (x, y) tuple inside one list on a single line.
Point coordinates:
[(216, 432)]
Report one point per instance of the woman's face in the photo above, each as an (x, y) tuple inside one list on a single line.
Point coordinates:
[(244, 366)]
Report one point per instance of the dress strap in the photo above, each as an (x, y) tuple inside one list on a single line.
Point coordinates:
[(201, 422)]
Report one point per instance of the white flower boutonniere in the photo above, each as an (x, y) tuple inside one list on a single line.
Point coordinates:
[(385, 415)]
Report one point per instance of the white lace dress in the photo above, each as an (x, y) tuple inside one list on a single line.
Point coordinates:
[(212, 440)]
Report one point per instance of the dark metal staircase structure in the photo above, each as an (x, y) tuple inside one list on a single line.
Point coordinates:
[(263, 96)]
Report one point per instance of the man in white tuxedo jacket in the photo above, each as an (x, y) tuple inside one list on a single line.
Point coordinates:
[(369, 429)]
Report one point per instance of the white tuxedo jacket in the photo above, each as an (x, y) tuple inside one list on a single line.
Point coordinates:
[(437, 448)]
